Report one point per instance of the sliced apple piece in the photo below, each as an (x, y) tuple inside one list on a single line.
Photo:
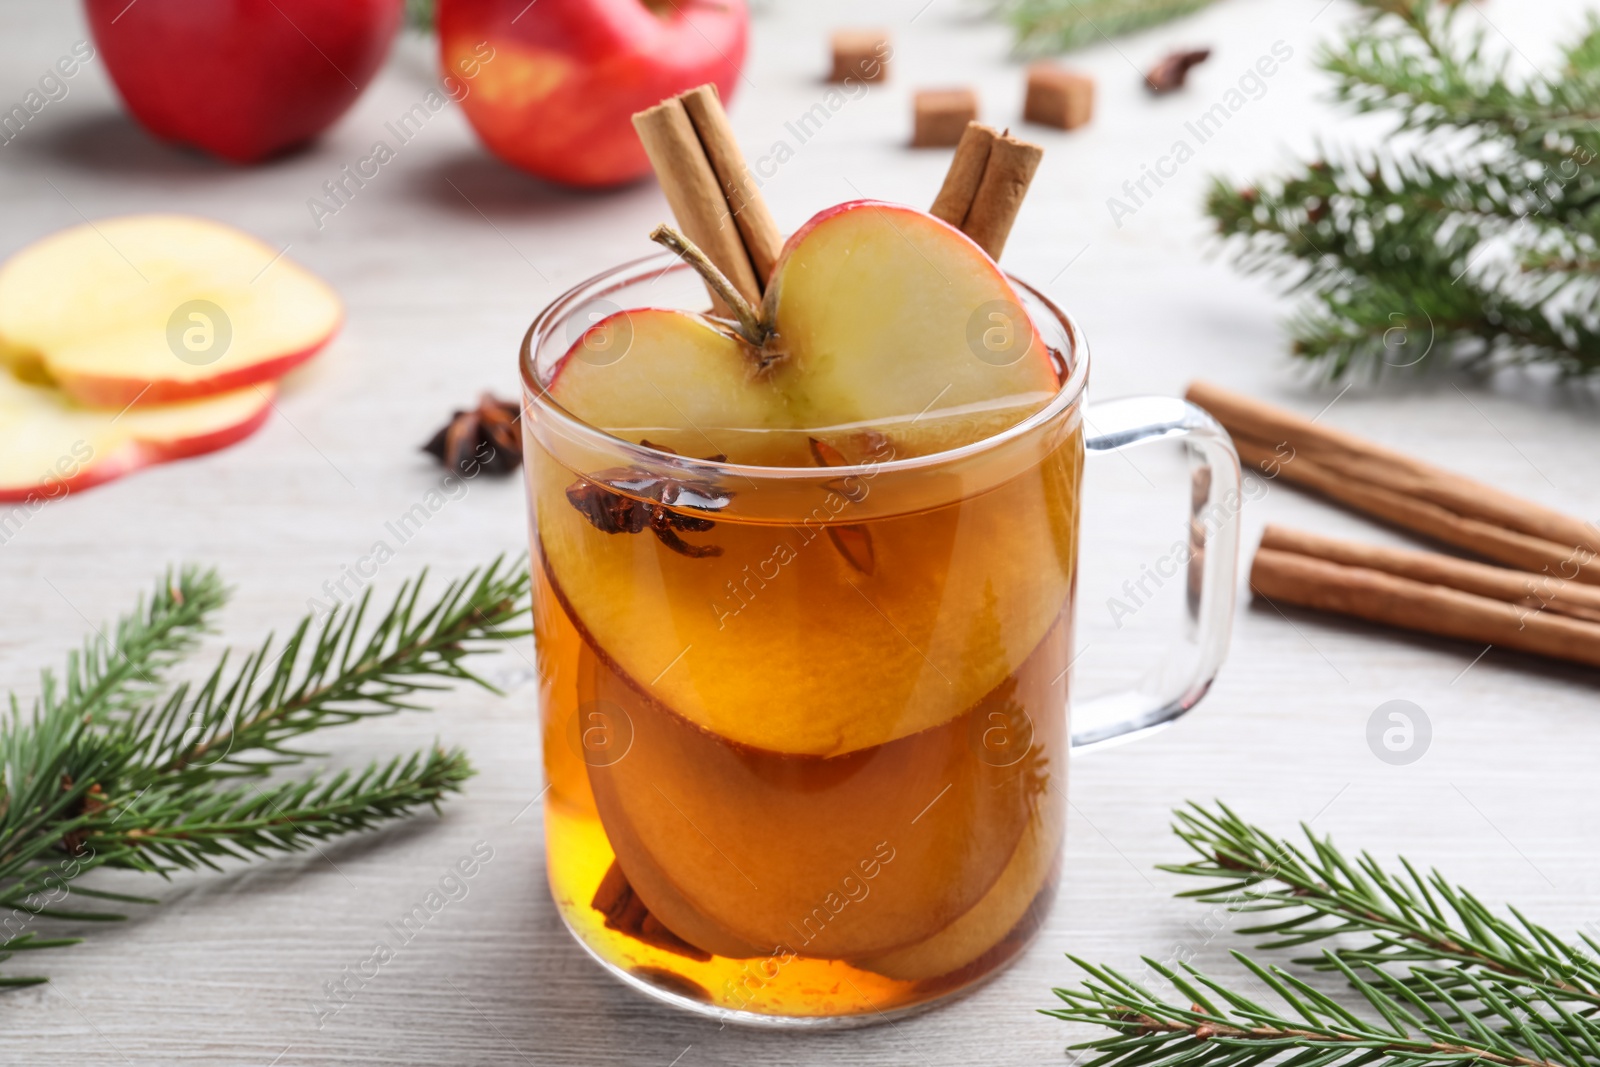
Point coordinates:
[(779, 643), (150, 309), (884, 319), (50, 445), (675, 378), (883, 312), (839, 857)]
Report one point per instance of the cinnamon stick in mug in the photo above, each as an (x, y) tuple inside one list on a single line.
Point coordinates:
[(984, 188), (709, 188), (757, 228)]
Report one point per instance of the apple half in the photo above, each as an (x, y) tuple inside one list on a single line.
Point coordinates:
[(150, 309), (51, 445)]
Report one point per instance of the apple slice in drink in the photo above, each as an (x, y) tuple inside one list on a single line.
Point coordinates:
[(842, 857), (51, 445), (886, 314), (149, 309), (835, 660), (672, 378), (920, 654)]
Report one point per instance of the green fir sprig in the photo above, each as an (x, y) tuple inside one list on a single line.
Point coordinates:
[(1064, 25), (1473, 239), (1447, 980), (422, 15), (114, 767)]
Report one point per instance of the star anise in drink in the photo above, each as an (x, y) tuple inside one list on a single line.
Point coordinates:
[(632, 499)]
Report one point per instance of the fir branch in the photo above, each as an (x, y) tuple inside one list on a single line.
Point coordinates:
[(328, 676), (185, 828), (1409, 917), (1485, 259), (109, 770), (1063, 25), (1222, 1027), (1449, 980), (422, 15), (116, 673)]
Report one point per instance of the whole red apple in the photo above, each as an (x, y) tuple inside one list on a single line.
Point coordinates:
[(558, 96), (242, 79)]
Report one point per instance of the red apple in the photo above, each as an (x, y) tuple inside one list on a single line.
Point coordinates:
[(558, 96), (242, 79)]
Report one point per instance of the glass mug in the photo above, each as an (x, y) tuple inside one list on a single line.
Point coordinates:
[(815, 776)]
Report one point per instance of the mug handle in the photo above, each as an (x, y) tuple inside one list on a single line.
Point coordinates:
[(1212, 552)]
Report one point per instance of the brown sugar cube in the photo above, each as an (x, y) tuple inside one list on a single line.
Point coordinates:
[(1058, 97), (860, 54), (942, 116)]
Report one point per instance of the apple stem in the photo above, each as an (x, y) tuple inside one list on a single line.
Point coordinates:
[(751, 326)]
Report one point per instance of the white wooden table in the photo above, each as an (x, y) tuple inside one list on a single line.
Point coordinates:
[(444, 259)]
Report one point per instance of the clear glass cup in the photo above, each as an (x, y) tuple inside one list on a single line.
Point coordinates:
[(815, 775)]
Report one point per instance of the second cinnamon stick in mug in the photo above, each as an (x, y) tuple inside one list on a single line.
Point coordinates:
[(985, 185)]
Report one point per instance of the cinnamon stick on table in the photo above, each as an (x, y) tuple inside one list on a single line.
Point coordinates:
[(1312, 581), (1538, 591), (709, 188), (1406, 492), (984, 188)]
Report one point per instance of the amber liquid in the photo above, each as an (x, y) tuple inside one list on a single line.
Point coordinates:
[(795, 780)]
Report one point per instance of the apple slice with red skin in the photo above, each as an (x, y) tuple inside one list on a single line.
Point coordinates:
[(669, 377), (883, 313), (728, 845), (883, 316), (558, 98), (151, 309), (50, 445), (245, 79)]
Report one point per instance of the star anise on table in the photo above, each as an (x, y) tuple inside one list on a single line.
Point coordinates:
[(485, 440), (1170, 74), (632, 499)]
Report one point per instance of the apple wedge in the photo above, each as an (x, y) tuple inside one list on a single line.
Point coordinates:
[(50, 445), (150, 309), (672, 378), (778, 643), (885, 314)]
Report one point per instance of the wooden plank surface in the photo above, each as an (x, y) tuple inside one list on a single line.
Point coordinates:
[(443, 260)]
